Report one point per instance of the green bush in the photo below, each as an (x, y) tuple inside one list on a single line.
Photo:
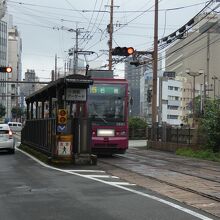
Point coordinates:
[(137, 123), (210, 125), (206, 154)]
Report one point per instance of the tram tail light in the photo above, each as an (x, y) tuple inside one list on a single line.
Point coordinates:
[(62, 116)]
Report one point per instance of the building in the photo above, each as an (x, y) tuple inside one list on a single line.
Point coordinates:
[(200, 49), (29, 88), (14, 60), (133, 75), (3, 61)]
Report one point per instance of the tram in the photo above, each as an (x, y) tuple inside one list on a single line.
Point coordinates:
[(107, 106)]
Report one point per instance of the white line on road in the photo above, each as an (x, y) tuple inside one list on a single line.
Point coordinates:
[(193, 213), (102, 176), (120, 183), (89, 171)]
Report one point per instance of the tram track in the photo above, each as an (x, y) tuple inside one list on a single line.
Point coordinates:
[(195, 190), (197, 162), (174, 164), (170, 184)]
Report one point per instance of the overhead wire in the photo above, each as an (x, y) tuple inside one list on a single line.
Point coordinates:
[(94, 24), (87, 29)]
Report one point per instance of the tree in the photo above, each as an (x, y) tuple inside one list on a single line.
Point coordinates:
[(137, 128), (137, 123), (211, 126), (2, 110), (17, 112)]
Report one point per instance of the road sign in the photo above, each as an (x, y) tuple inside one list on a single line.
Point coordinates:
[(61, 128), (64, 148)]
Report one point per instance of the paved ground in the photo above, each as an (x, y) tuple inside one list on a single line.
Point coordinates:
[(137, 143)]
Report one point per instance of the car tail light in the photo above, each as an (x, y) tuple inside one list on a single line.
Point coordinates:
[(10, 134)]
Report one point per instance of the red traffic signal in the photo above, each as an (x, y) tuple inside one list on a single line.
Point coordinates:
[(5, 69), (123, 51), (62, 116)]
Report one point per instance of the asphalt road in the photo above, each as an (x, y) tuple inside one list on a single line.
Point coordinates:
[(29, 190)]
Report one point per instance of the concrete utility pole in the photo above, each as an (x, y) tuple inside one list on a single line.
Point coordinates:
[(194, 75), (77, 31), (110, 30), (155, 56), (55, 69), (206, 76)]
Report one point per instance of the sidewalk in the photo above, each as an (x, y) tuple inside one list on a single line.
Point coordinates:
[(137, 143)]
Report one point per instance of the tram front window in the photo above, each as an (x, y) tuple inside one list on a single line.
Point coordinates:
[(110, 108)]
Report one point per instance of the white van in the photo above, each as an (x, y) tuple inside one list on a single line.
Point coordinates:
[(15, 126)]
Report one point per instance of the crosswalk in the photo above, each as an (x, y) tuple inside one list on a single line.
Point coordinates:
[(101, 175)]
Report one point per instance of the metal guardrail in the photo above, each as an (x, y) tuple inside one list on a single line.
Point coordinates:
[(40, 134)]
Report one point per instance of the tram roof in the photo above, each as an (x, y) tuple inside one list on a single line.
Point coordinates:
[(72, 81)]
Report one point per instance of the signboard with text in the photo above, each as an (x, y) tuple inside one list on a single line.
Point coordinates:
[(73, 94)]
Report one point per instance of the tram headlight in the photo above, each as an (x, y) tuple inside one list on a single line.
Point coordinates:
[(105, 132)]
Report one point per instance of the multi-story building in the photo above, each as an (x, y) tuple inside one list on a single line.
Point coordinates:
[(29, 88), (3, 61), (14, 59), (133, 75), (200, 49)]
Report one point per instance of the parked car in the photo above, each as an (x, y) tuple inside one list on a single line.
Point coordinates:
[(7, 141), (15, 126)]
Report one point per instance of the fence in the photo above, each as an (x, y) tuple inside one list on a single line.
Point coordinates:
[(172, 134), (40, 134)]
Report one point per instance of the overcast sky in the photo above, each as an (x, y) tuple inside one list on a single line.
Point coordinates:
[(44, 24)]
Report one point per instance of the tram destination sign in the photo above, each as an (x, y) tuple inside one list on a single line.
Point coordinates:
[(73, 94)]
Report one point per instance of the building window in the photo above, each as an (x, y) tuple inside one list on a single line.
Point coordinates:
[(170, 87), (172, 116), (172, 107)]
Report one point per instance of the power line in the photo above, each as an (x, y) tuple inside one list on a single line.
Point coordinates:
[(104, 11)]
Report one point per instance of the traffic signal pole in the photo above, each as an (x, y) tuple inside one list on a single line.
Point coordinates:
[(155, 57)]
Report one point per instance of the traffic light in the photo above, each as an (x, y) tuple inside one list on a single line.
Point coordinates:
[(123, 51), (5, 69), (149, 95), (62, 116)]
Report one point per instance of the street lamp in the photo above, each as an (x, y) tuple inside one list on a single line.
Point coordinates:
[(194, 75)]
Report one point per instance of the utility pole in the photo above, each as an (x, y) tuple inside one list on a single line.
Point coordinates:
[(110, 30), (206, 76), (77, 31), (155, 56), (194, 75), (55, 69)]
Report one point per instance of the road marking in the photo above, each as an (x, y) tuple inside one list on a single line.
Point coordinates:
[(102, 176), (89, 171), (121, 183), (188, 211)]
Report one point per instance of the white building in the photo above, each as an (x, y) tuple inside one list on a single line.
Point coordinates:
[(14, 60), (3, 61)]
